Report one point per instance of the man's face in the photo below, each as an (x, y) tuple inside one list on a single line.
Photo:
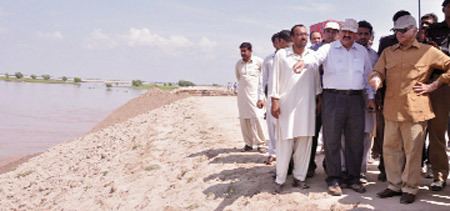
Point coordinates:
[(284, 43), (246, 54), (330, 35), (316, 38), (363, 36), (347, 38), (406, 35), (300, 37), (276, 43)]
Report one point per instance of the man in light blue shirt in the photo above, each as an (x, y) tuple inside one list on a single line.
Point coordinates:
[(346, 67)]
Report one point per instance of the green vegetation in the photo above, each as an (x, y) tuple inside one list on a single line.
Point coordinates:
[(18, 75), (183, 83), (46, 77), (77, 80), (33, 77), (137, 83), (64, 78)]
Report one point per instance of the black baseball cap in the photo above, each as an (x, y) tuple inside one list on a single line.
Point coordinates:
[(445, 3)]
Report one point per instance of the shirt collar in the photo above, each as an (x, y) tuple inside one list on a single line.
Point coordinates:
[(338, 44), (290, 52), (415, 44)]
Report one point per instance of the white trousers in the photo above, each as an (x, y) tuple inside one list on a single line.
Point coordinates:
[(271, 127), (252, 131), (299, 149)]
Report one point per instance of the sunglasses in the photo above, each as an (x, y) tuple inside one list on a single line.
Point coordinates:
[(404, 30)]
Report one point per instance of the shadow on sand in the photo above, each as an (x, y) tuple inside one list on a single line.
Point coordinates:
[(250, 181)]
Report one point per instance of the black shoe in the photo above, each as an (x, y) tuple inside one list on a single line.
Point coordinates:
[(299, 184), (382, 177), (407, 198), (261, 150), (388, 193), (247, 148), (438, 185), (357, 188), (278, 188), (310, 173)]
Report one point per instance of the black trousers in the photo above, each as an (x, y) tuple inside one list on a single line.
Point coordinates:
[(312, 163), (343, 114)]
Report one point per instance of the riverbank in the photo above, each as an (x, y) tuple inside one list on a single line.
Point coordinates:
[(181, 156)]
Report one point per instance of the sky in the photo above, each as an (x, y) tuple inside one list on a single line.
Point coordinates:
[(167, 40)]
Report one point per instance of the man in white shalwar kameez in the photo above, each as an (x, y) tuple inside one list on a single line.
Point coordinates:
[(248, 71), (294, 104)]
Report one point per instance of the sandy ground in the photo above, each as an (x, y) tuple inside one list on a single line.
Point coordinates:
[(182, 156)]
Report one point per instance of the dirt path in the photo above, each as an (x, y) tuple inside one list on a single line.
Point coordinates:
[(182, 156)]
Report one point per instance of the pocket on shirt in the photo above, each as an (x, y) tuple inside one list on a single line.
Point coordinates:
[(416, 103), (358, 65), (417, 70)]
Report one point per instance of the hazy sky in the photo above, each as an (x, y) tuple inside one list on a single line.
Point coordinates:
[(167, 40)]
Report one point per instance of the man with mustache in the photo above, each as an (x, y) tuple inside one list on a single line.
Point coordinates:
[(248, 71), (405, 67), (346, 66), (293, 104)]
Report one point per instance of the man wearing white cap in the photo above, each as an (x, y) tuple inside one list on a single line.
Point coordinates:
[(405, 67), (346, 68), (330, 34)]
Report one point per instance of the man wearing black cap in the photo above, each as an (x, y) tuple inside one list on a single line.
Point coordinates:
[(439, 35)]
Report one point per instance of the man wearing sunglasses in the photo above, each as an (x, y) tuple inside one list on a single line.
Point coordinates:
[(405, 67)]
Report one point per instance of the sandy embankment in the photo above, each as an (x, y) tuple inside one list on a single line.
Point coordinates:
[(181, 156)]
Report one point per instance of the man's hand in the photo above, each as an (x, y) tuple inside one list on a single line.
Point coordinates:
[(260, 104), (375, 83), (371, 106), (421, 88), (275, 110), (298, 67)]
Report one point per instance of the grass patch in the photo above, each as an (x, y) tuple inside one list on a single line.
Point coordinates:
[(151, 86), (30, 80)]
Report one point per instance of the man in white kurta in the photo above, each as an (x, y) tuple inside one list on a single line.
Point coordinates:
[(295, 95), (248, 70)]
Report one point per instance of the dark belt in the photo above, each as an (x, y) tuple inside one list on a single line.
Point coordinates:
[(344, 92)]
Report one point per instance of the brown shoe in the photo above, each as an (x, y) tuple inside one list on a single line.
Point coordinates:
[(261, 150), (270, 160), (386, 193), (407, 198), (334, 190)]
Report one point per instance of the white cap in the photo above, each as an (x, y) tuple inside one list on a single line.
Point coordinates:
[(332, 25), (350, 25), (404, 22)]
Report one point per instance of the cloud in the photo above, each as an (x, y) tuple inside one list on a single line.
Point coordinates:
[(319, 7), (205, 43), (144, 37), (51, 35), (100, 40)]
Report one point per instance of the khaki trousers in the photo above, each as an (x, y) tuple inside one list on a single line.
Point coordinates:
[(299, 149), (252, 131), (402, 151)]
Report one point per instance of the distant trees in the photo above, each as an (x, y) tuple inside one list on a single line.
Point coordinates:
[(46, 77), (64, 78), (33, 77), (18, 75), (185, 83), (77, 80), (136, 83)]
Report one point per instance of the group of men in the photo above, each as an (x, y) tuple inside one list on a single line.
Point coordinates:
[(340, 84)]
